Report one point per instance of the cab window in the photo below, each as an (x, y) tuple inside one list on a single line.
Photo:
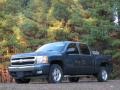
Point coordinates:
[(72, 49), (84, 49)]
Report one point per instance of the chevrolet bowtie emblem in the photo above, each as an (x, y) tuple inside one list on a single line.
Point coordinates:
[(20, 61)]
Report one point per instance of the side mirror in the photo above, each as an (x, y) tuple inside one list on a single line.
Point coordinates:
[(95, 53), (70, 50)]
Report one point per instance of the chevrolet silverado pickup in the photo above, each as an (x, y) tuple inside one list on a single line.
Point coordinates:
[(58, 59)]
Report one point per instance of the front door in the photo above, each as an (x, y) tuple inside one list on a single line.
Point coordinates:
[(71, 58)]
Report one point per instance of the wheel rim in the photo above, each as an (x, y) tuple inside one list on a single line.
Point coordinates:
[(104, 75), (56, 74)]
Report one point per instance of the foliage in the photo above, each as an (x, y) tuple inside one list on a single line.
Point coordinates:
[(26, 24)]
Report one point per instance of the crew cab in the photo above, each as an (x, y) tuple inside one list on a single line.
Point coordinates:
[(58, 59)]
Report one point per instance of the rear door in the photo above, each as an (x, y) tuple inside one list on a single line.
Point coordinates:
[(86, 61)]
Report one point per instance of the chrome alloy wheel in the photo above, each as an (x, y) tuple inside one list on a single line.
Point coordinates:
[(104, 75), (56, 74)]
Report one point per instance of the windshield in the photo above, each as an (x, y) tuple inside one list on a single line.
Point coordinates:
[(58, 46)]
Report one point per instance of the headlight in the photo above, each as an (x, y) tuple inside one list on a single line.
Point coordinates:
[(41, 59)]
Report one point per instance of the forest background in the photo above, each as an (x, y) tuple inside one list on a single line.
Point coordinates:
[(28, 24)]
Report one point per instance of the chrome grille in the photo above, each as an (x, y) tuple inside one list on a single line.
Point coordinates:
[(23, 61)]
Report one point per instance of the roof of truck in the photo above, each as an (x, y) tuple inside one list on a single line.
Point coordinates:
[(70, 42)]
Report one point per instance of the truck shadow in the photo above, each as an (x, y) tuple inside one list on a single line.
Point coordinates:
[(67, 82)]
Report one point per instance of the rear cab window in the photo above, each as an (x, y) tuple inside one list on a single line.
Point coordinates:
[(84, 49)]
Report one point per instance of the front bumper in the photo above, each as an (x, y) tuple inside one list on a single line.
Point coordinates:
[(29, 71)]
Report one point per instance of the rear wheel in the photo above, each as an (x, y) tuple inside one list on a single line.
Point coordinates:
[(55, 74), (73, 79), (20, 81), (102, 75)]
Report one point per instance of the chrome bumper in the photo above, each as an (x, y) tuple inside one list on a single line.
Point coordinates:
[(21, 68)]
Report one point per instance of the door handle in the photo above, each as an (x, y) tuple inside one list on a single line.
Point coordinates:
[(83, 62), (77, 61)]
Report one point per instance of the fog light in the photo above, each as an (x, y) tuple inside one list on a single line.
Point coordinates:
[(39, 72)]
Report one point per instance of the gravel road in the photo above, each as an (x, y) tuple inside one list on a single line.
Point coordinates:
[(81, 85)]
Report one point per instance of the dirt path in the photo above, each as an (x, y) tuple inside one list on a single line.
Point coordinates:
[(81, 85)]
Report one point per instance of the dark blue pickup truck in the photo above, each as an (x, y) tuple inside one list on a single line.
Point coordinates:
[(59, 59)]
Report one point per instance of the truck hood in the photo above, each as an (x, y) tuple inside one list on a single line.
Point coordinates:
[(33, 54)]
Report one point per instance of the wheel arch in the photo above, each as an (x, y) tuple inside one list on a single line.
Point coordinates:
[(104, 64), (59, 62)]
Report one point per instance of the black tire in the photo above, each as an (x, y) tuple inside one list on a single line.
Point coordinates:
[(22, 81), (73, 79), (103, 75), (55, 74)]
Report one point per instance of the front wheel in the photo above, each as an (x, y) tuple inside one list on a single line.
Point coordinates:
[(55, 74), (21, 81), (102, 75)]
